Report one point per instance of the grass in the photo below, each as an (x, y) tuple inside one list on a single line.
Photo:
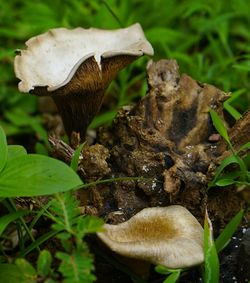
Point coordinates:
[(209, 39)]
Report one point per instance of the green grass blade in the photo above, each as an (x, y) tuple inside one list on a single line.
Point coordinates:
[(244, 146), (224, 182), (211, 262), (229, 108), (3, 149), (7, 219), (39, 214), (219, 126), (113, 13), (232, 111), (228, 231), (173, 277), (227, 161), (76, 156), (38, 242)]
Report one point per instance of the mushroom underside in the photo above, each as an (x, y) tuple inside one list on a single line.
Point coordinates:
[(169, 236)]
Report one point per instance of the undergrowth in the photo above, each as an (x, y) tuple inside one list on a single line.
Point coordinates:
[(210, 40)]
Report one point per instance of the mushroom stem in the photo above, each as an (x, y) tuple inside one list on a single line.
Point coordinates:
[(80, 100), (78, 110)]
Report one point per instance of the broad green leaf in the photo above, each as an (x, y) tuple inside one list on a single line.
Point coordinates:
[(76, 156), (34, 175), (44, 263), (173, 277), (7, 219), (15, 151), (219, 126), (228, 231), (3, 149), (10, 273), (27, 270), (211, 261)]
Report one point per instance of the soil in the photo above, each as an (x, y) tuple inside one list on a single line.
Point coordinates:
[(168, 139)]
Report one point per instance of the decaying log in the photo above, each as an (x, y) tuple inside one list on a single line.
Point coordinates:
[(169, 139)]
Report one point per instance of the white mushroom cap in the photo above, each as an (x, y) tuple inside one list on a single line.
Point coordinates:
[(169, 236), (52, 58)]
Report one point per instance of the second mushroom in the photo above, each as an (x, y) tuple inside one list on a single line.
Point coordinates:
[(169, 236)]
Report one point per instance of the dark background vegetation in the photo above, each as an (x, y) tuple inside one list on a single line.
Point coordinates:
[(210, 40)]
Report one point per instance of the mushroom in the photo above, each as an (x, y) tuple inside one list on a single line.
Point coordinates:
[(169, 236), (75, 67)]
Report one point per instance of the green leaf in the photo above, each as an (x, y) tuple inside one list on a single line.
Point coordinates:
[(229, 108), (224, 182), (15, 151), (27, 270), (104, 118), (76, 156), (44, 263), (34, 175), (3, 149), (173, 277), (49, 280), (10, 273), (7, 219), (20, 118), (232, 111), (242, 67), (65, 211), (174, 273), (227, 161), (76, 267), (219, 126), (162, 269), (89, 224), (42, 149), (228, 231), (211, 261)]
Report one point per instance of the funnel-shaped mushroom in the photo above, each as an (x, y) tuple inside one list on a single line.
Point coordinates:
[(169, 236), (75, 67)]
